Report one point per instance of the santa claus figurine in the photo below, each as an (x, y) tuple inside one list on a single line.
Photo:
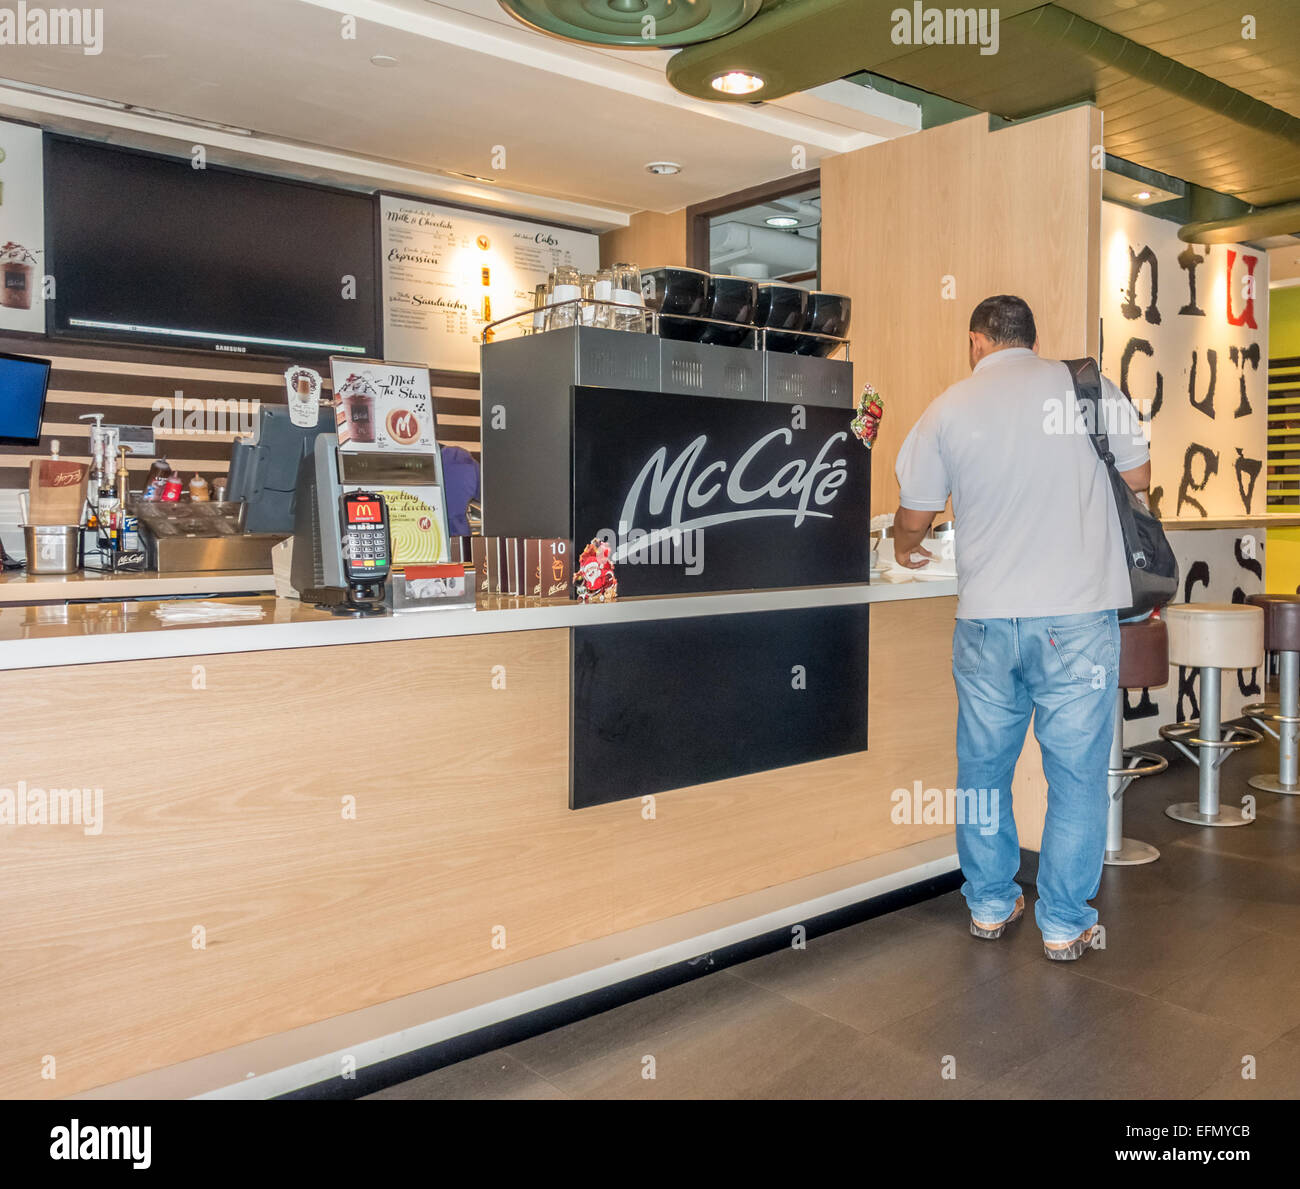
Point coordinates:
[(595, 579), (866, 425)]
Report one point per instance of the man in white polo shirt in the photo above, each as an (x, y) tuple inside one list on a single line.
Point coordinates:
[(1040, 576)]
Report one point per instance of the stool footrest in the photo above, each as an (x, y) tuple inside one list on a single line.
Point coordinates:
[(1148, 764), (1267, 710), (1234, 737)]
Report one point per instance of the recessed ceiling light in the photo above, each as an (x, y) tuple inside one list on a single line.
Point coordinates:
[(1142, 195), (383, 60), (663, 167), (782, 221), (737, 82)]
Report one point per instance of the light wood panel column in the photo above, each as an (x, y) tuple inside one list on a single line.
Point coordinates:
[(920, 229), (648, 241)]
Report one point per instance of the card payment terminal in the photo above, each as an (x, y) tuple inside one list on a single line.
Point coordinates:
[(367, 548)]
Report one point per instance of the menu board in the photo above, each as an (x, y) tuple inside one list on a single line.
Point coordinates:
[(447, 273), (388, 408), (22, 229)]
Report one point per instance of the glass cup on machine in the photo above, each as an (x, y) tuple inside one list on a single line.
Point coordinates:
[(588, 298), (627, 292), (566, 286), (541, 299), (602, 293)]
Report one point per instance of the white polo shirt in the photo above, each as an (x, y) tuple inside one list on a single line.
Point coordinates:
[(1037, 530)]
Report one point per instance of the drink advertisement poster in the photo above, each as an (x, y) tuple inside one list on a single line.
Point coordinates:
[(383, 406), (448, 273), (387, 408), (22, 229)]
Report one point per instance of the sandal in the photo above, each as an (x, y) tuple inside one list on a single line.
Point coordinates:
[(993, 932), (1070, 951)]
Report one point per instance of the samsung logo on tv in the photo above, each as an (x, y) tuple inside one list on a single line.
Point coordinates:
[(225, 347)]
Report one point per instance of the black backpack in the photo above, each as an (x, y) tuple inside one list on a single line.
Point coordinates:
[(1152, 567)]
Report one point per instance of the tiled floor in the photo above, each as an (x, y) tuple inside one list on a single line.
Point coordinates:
[(1200, 974)]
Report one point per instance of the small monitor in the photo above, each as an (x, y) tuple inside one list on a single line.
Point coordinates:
[(23, 384)]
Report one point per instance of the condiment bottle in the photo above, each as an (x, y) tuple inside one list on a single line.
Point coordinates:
[(153, 484), (199, 490)]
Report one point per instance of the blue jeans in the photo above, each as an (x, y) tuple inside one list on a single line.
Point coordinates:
[(1064, 670)]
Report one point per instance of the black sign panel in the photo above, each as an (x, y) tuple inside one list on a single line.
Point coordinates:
[(668, 703), (711, 493)]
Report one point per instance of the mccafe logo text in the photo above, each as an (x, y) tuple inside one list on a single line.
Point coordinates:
[(697, 492)]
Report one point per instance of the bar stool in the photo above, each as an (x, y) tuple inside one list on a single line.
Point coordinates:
[(1281, 635), (1143, 662), (1212, 637)]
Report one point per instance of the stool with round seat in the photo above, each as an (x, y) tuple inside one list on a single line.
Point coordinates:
[(1281, 635), (1143, 662), (1212, 637)]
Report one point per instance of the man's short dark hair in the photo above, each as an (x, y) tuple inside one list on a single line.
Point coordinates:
[(1005, 320)]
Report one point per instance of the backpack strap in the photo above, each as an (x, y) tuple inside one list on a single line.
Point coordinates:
[(1087, 393)]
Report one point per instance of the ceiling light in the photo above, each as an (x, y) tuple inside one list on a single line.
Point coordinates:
[(737, 82), (383, 60), (782, 221), (626, 23), (663, 167), (1142, 195), (470, 177)]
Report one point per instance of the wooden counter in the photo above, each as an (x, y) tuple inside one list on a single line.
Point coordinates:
[(268, 865)]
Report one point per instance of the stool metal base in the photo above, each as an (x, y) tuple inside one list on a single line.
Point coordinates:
[(1190, 812), (1272, 783), (1131, 853)]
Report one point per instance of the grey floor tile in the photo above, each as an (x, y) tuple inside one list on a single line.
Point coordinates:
[(1147, 1050), (1144, 951), (769, 1048), (1275, 1073), (490, 1076), (586, 1043), (879, 972), (1256, 986), (1007, 1022), (1265, 895)]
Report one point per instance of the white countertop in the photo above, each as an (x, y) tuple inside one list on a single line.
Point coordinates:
[(35, 637), (19, 587)]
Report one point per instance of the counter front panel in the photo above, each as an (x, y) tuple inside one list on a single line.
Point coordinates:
[(661, 705)]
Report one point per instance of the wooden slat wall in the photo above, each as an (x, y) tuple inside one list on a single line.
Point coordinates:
[(124, 384), (1284, 433)]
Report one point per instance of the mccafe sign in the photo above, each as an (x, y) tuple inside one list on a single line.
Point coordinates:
[(708, 493)]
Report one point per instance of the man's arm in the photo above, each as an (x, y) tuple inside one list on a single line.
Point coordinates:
[(910, 527), (1139, 479), (924, 488)]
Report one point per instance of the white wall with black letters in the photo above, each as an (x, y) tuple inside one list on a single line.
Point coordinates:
[(1185, 335)]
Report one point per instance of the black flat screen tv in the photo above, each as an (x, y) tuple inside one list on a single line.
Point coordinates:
[(146, 248)]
